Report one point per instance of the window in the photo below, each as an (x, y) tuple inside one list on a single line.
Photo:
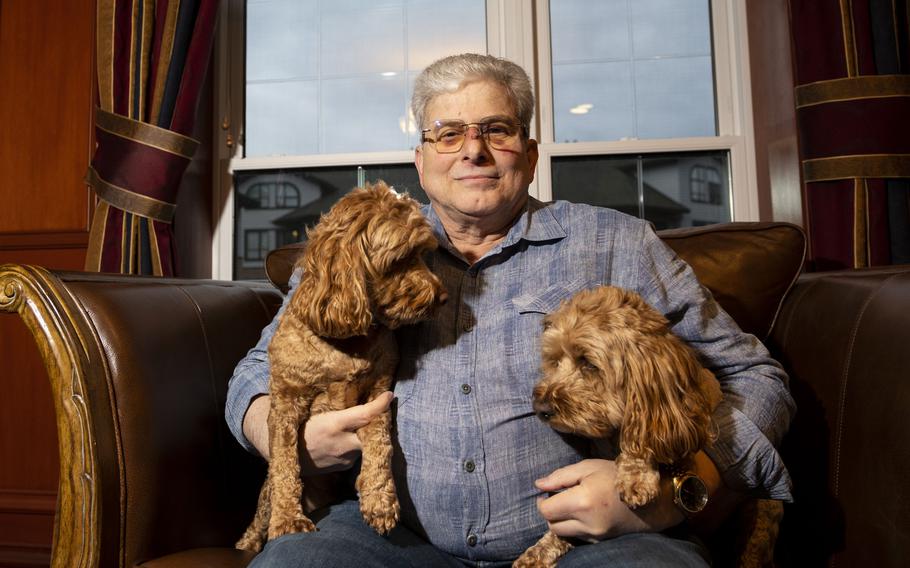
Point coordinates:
[(642, 105), (705, 185), (271, 196), (258, 243)]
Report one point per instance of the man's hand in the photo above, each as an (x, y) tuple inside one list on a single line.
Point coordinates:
[(588, 507), (330, 439)]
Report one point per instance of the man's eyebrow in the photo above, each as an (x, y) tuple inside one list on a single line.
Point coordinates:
[(498, 117)]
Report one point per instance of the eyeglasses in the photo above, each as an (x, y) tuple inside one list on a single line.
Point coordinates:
[(449, 135)]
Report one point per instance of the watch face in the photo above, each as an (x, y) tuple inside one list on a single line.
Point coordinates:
[(692, 494)]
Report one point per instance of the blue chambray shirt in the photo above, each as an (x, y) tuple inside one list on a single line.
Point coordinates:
[(469, 446)]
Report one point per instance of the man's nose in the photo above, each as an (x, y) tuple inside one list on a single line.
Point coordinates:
[(475, 146)]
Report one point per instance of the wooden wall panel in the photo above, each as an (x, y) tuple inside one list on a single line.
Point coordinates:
[(28, 445), (46, 55), (46, 101)]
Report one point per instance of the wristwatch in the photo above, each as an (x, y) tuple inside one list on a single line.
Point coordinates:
[(689, 491)]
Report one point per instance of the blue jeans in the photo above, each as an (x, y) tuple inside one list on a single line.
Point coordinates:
[(345, 541)]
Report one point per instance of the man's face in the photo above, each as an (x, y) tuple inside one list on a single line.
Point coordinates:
[(477, 181)]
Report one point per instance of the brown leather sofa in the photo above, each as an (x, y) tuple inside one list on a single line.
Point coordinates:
[(150, 475)]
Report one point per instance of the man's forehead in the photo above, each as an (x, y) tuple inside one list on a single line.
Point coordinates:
[(474, 94), (488, 118)]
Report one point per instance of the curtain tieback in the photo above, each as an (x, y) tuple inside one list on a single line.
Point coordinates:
[(138, 166)]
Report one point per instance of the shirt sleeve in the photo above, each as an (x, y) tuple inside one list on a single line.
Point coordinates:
[(757, 407), (251, 375)]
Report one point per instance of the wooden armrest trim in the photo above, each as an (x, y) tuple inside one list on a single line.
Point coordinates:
[(65, 343)]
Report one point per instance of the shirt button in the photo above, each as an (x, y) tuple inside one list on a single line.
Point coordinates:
[(466, 388), (472, 540), (469, 466)]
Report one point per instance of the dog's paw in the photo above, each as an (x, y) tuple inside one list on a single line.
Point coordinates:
[(378, 501), (380, 512), (638, 490), (300, 524), (249, 543), (545, 553), (530, 560)]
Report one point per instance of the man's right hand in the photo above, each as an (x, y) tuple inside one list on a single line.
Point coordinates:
[(330, 439)]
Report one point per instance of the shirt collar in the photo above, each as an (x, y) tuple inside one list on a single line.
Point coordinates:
[(535, 224)]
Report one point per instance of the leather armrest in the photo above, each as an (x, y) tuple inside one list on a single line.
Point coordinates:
[(139, 370)]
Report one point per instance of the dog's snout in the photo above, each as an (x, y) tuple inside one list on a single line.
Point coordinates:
[(543, 410)]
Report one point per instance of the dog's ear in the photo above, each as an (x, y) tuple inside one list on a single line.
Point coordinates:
[(334, 301), (667, 415)]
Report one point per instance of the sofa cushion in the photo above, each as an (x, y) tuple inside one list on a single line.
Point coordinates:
[(748, 267)]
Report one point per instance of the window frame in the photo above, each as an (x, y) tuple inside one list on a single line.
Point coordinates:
[(517, 30)]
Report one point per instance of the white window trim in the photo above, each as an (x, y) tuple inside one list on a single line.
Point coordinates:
[(511, 34)]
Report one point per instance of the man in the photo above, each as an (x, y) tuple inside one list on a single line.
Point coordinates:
[(479, 477)]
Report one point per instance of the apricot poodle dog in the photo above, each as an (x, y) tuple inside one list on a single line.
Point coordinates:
[(363, 276), (614, 372)]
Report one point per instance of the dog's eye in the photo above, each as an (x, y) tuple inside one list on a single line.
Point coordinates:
[(585, 365), (401, 265)]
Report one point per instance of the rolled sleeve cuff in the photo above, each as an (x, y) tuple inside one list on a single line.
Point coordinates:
[(251, 376), (248, 386), (747, 460)]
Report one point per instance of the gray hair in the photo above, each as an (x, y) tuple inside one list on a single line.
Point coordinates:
[(449, 74)]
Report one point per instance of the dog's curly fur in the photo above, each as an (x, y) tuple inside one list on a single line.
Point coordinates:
[(363, 275), (614, 372)]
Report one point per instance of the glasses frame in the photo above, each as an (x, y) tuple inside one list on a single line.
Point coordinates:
[(483, 127)]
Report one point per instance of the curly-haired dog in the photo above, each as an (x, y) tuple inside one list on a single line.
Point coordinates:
[(363, 275), (614, 372)]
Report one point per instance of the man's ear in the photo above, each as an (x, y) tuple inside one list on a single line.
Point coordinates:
[(533, 154), (418, 162)]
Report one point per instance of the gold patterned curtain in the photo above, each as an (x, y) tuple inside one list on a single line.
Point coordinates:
[(152, 58), (852, 67)]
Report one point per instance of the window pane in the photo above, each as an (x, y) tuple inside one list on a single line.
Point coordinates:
[(273, 208), (282, 120), (672, 98), (670, 190), (437, 29), (319, 75), (631, 69), (356, 122), (611, 115)]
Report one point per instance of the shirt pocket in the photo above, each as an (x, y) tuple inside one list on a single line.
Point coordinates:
[(549, 299), (523, 346)]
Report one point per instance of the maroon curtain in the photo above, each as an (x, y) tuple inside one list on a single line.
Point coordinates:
[(152, 58), (853, 110)]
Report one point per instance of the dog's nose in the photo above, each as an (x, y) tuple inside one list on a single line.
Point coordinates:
[(543, 410)]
